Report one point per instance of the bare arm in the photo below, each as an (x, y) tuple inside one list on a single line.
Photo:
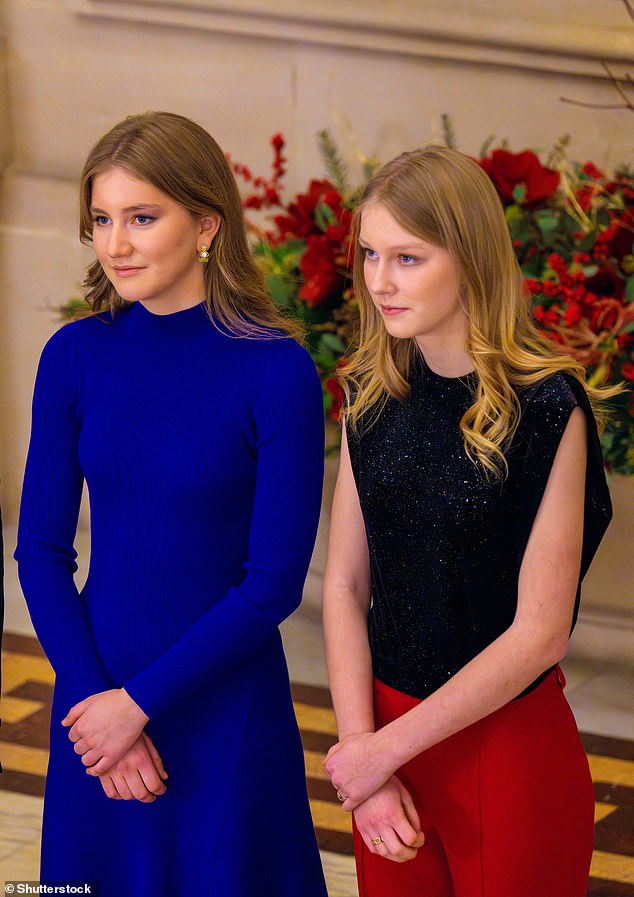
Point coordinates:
[(536, 640), (346, 605), (390, 813)]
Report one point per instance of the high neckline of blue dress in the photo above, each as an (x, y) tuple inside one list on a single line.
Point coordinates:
[(182, 322)]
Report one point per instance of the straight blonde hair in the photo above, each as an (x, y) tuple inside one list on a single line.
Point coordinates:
[(445, 198)]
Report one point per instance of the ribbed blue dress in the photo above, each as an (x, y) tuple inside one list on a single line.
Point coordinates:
[(203, 457)]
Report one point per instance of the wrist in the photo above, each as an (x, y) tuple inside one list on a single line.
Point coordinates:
[(349, 731), (138, 714), (389, 747)]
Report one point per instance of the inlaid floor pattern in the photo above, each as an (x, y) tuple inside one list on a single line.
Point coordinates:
[(28, 680)]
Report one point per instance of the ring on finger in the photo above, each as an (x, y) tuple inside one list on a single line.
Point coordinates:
[(375, 841), (341, 796)]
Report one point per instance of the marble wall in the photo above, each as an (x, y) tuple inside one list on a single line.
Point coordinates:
[(379, 73)]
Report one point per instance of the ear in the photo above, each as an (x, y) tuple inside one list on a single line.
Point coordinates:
[(209, 225)]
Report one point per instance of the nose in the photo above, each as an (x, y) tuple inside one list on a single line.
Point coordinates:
[(118, 242), (378, 278)]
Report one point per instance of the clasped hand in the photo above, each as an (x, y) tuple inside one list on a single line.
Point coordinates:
[(357, 768), (103, 727), (383, 808)]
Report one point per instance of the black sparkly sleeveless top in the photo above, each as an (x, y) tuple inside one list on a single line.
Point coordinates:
[(445, 545)]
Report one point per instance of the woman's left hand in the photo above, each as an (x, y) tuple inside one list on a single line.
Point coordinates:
[(103, 727), (357, 768)]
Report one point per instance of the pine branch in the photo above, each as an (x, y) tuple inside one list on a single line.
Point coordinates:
[(334, 164)]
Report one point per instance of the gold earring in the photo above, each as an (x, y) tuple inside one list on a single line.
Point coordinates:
[(203, 255)]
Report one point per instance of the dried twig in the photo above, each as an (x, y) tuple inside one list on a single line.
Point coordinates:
[(616, 82), (618, 85)]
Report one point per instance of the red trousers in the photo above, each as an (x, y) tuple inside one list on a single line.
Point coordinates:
[(506, 806)]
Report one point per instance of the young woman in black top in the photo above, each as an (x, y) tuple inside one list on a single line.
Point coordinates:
[(470, 501)]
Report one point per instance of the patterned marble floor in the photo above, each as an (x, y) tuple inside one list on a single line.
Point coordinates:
[(28, 681)]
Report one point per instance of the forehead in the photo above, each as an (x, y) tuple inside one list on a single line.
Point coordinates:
[(378, 225), (116, 185)]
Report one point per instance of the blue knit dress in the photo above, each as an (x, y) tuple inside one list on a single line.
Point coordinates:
[(203, 457)]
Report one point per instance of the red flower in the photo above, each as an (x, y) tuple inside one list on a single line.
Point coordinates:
[(300, 220), (336, 391), (545, 316), (592, 171), (606, 282), (508, 170), (321, 278), (627, 370), (620, 235), (604, 316), (573, 314)]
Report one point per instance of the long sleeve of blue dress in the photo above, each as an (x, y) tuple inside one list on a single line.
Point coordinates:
[(51, 498)]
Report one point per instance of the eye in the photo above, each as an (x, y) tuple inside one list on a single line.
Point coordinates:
[(144, 219), (369, 253), (100, 220), (408, 259)]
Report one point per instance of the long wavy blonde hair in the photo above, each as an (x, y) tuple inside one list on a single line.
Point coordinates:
[(445, 198), (180, 158)]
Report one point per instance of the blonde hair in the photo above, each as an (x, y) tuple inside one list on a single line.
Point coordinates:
[(178, 157), (445, 198)]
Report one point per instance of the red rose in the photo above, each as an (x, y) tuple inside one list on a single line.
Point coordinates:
[(509, 170), (321, 278), (300, 220)]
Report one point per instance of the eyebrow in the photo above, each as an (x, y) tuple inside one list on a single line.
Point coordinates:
[(142, 207), (402, 248)]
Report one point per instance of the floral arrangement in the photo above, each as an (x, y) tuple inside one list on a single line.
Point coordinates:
[(572, 227), (304, 251)]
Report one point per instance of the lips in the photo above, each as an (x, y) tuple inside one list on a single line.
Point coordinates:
[(125, 271), (391, 310)]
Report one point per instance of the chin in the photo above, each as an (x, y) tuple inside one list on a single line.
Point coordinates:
[(400, 332)]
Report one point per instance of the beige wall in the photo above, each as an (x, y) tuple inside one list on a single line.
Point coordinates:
[(70, 69)]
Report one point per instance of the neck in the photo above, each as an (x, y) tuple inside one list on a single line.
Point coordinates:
[(169, 306), (446, 360)]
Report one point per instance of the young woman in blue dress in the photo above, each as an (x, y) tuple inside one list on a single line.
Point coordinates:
[(196, 420), (469, 503)]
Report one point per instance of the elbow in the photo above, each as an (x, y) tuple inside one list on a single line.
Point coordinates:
[(553, 650)]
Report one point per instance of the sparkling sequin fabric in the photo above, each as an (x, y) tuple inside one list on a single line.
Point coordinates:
[(445, 545)]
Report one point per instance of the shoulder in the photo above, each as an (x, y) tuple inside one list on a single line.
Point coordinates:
[(281, 358), (71, 350), (546, 407), (76, 333), (559, 391)]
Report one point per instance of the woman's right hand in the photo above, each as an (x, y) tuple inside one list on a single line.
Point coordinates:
[(390, 814), (138, 775)]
